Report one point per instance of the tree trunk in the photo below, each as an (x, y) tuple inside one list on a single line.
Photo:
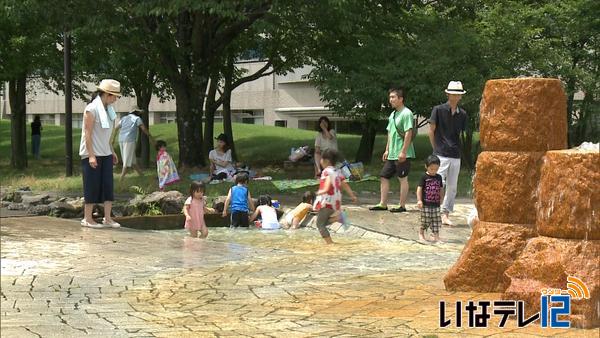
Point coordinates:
[(209, 121), (364, 153), (227, 89), (143, 96), (18, 110), (467, 148), (189, 110), (570, 88), (466, 139), (227, 126)]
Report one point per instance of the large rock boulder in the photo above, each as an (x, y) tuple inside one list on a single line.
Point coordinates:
[(524, 114), (167, 202), (15, 206), (491, 249), (505, 186), (39, 210), (219, 203), (67, 208), (7, 195), (15, 195), (569, 197), (31, 200), (546, 263)]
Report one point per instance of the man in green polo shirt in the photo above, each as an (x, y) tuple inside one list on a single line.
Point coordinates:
[(398, 150)]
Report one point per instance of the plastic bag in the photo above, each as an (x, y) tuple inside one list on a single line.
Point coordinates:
[(357, 171), (299, 154), (345, 170)]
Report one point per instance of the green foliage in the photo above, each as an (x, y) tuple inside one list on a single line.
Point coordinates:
[(153, 209), (136, 189), (550, 38), (415, 45)]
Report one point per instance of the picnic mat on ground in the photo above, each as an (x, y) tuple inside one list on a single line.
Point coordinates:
[(285, 185)]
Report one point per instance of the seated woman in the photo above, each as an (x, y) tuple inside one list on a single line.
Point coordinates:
[(326, 139), (221, 162)]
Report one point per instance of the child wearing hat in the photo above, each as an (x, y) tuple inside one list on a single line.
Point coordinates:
[(127, 129)]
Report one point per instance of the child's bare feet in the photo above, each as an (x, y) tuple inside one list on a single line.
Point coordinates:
[(422, 238), (437, 240), (328, 240)]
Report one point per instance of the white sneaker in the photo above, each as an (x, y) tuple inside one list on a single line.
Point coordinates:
[(84, 223), (112, 223)]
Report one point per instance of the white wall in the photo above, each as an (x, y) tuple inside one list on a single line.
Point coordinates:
[(265, 94)]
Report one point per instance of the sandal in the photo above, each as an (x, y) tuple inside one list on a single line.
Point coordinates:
[(378, 207), (398, 209)]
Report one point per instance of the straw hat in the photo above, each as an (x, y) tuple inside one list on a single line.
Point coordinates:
[(136, 109), (455, 87), (110, 86)]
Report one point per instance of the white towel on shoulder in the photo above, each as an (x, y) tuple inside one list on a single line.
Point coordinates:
[(103, 114)]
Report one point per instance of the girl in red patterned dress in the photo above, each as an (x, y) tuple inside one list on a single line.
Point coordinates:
[(329, 196)]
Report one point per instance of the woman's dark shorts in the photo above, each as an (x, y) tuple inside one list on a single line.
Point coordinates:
[(395, 168), (98, 182)]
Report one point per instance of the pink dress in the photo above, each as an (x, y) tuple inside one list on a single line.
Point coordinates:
[(196, 212)]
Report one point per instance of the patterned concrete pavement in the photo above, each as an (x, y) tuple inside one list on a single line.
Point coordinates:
[(61, 280)]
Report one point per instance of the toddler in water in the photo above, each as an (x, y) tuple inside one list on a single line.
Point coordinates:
[(240, 200), (429, 195), (329, 196), (165, 167), (296, 216), (194, 209), (268, 214)]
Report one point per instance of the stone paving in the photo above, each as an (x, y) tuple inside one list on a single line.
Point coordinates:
[(61, 280)]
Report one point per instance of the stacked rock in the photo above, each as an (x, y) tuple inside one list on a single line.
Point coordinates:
[(519, 120), (526, 184), (569, 235)]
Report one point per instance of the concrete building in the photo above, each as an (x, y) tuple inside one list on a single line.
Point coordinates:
[(286, 101)]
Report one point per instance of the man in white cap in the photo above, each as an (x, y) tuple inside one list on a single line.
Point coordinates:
[(128, 131), (446, 123)]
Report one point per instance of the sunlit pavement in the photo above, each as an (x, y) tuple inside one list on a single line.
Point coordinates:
[(59, 280)]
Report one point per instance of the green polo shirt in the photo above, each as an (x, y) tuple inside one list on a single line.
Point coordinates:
[(403, 121)]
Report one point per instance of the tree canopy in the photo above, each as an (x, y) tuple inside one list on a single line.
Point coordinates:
[(187, 50)]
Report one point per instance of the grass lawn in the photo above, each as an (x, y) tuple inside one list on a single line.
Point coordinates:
[(259, 146)]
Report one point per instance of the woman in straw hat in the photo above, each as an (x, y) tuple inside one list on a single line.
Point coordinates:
[(97, 153)]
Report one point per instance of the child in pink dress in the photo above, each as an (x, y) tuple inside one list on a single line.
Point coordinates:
[(194, 210)]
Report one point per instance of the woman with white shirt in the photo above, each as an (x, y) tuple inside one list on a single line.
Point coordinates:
[(326, 139), (97, 154), (221, 162)]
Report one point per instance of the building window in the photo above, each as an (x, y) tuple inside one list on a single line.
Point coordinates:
[(281, 123), (77, 121), (167, 117)]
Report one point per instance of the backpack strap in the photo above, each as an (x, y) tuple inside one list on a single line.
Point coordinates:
[(398, 131)]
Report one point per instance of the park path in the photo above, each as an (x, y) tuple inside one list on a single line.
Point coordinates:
[(61, 280)]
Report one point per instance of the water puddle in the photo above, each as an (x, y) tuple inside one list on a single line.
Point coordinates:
[(348, 253)]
